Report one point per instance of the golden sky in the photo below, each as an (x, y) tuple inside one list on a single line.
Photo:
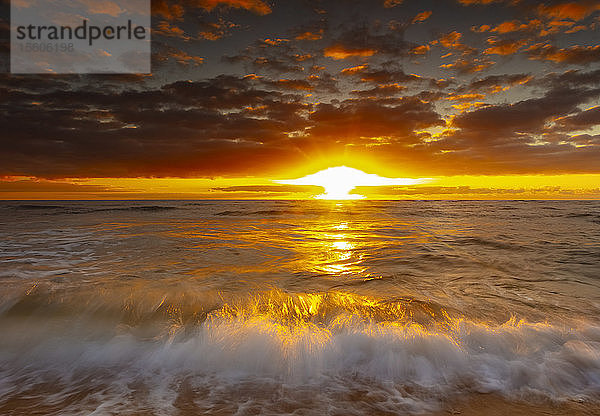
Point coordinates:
[(448, 187)]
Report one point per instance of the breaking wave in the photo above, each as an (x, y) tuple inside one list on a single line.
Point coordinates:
[(277, 352)]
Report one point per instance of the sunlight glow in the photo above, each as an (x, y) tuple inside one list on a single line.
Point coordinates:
[(341, 180)]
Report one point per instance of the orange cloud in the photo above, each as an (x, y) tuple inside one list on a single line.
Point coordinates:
[(481, 29), (504, 47), (165, 29), (421, 17), (451, 40), (570, 10), (256, 6), (465, 97), (467, 106), (186, 59), (470, 2), (509, 26), (354, 69), (579, 55), (385, 90), (577, 28), (302, 57), (339, 52), (294, 84), (176, 11), (468, 65), (275, 42), (391, 3), (168, 11), (420, 50), (308, 35), (217, 30)]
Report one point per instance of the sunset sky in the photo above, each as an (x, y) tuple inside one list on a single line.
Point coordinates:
[(489, 99)]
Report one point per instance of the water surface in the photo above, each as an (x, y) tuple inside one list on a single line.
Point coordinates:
[(306, 307)]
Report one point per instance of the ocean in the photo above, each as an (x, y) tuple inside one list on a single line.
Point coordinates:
[(298, 307)]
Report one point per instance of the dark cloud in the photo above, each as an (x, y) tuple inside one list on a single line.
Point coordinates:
[(511, 26), (574, 55), (36, 185), (504, 46), (510, 137), (574, 10), (452, 41), (585, 140), (572, 78), (177, 9), (380, 76), (468, 66), (524, 116), (581, 120), (249, 87), (495, 83), (181, 127), (374, 120), (384, 90), (363, 40), (290, 84), (277, 55)]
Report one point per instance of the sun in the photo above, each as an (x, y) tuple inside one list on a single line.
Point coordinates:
[(339, 181)]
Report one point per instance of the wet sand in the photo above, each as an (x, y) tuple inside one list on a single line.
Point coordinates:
[(494, 405)]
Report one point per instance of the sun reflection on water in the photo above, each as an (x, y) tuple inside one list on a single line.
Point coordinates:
[(333, 246)]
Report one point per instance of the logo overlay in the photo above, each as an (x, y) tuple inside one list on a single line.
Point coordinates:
[(80, 36)]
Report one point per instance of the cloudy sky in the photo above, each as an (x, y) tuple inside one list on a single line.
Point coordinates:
[(489, 98)]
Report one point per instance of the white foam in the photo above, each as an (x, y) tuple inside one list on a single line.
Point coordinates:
[(398, 367)]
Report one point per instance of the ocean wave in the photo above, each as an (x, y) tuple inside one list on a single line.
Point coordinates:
[(276, 351), (38, 207), (142, 208), (83, 209)]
